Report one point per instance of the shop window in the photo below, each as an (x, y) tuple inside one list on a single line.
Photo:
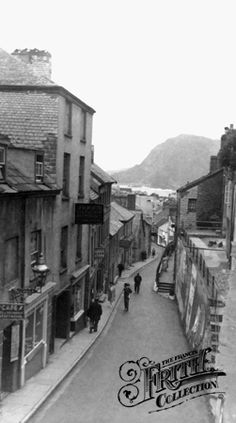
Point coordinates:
[(81, 175), (66, 175), (39, 168), (192, 204), (34, 328), (11, 266), (68, 119), (83, 125), (77, 298), (79, 243), (35, 249), (64, 246), (2, 163)]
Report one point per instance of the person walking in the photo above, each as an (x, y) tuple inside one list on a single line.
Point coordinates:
[(153, 252), (127, 291), (94, 313), (137, 283), (111, 293), (120, 269)]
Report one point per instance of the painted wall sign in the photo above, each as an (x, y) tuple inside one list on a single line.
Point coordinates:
[(12, 311)]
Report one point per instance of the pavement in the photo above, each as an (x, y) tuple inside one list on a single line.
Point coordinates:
[(20, 406)]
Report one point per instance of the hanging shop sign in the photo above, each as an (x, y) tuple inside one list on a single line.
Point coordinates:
[(99, 253), (89, 214), (12, 311)]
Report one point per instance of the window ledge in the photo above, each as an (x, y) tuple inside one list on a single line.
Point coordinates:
[(65, 198), (77, 316), (62, 271), (78, 259), (68, 136)]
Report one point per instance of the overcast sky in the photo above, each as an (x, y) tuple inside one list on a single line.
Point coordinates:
[(152, 69)]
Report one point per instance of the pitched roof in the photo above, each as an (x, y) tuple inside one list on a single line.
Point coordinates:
[(120, 213), (28, 119), (115, 223), (199, 180), (15, 72), (101, 175)]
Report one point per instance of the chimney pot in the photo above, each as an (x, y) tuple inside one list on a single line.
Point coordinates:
[(38, 60)]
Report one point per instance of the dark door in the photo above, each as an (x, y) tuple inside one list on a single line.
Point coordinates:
[(6, 363), (63, 315)]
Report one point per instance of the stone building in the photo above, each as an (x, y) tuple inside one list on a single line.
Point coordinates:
[(205, 270), (127, 237), (115, 251), (26, 228), (36, 114), (142, 227), (100, 193)]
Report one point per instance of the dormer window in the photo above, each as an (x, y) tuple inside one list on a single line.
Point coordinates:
[(39, 168), (2, 163)]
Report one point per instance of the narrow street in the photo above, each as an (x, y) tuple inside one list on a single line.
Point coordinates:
[(150, 329)]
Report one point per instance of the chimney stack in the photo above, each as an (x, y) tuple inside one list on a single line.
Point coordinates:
[(213, 164), (38, 60)]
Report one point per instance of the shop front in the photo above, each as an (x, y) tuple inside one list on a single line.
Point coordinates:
[(36, 332), (79, 298)]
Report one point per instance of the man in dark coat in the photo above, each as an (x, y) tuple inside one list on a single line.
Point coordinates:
[(120, 269), (137, 283), (94, 313), (127, 292)]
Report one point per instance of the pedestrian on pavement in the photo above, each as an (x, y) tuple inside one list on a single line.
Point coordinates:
[(153, 252), (120, 269), (127, 292), (94, 313), (111, 293), (137, 283)]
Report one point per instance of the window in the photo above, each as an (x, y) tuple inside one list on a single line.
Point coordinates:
[(11, 259), (79, 243), (192, 204), (2, 163), (83, 125), (66, 175), (64, 245), (81, 175), (39, 167), (228, 193), (34, 328), (35, 249), (77, 297), (68, 119)]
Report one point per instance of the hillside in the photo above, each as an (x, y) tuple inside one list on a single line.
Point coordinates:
[(172, 163)]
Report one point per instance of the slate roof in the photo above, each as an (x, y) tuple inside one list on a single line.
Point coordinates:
[(115, 223), (120, 213), (101, 175), (28, 119), (15, 72), (17, 182), (199, 180)]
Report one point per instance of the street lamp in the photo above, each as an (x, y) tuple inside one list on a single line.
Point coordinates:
[(41, 271)]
